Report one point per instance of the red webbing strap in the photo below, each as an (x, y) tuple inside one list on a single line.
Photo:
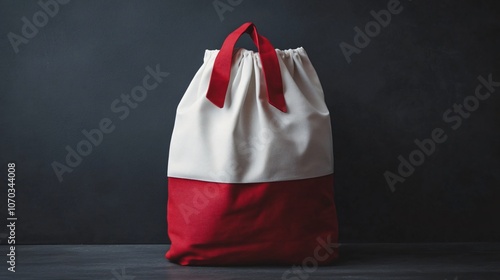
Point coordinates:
[(221, 72)]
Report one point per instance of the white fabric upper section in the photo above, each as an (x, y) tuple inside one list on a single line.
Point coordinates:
[(249, 140)]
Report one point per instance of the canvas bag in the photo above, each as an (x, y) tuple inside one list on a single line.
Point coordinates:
[(250, 168)]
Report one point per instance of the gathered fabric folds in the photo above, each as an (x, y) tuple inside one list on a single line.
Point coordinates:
[(250, 168)]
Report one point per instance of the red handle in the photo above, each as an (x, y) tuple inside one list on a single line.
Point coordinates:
[(221, 72)]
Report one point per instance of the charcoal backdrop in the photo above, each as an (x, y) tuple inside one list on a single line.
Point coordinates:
[(385, 90)]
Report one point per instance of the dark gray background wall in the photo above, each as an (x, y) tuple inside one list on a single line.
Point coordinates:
[(395, 89)]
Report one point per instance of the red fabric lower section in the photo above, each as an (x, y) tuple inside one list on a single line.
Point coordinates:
[(290, 222)]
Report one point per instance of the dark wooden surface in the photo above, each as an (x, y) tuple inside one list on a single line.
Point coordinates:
[(358, 261)]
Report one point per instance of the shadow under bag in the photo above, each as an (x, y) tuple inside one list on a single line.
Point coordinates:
[(250, 169)]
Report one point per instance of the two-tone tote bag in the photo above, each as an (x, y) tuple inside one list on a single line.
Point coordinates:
[(250, 168)]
